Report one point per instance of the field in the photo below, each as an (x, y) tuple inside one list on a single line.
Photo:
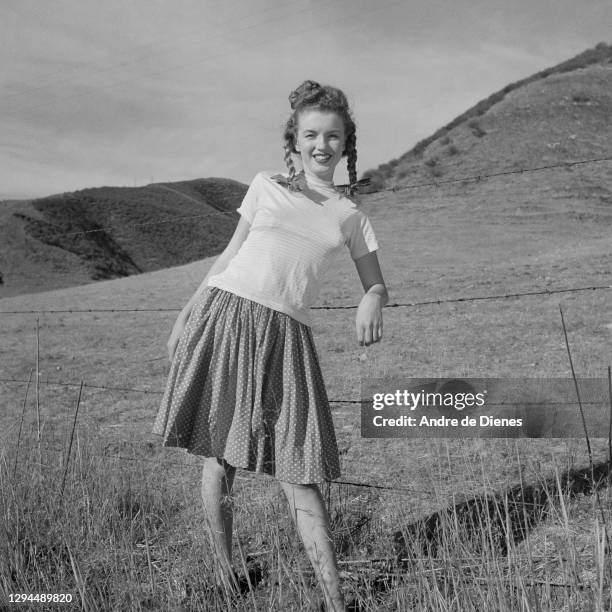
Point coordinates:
[(92, 506)]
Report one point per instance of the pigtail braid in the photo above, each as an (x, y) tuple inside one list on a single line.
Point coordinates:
[(295, 181), (289, 160), (351, 157)]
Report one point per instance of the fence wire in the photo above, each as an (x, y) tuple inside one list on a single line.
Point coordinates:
[(395, 188), (499, 296), (475, 177)]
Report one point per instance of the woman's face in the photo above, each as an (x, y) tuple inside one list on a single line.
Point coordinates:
[(320, 142)]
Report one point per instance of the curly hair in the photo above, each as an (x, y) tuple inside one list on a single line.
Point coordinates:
[(310, 95)]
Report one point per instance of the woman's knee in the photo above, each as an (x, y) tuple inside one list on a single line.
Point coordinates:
[(293, 490), (216, 472)]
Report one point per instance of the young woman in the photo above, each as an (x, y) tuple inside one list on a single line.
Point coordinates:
[(245, 387)]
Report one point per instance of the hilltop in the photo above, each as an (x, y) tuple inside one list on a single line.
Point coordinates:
[(559, 114), (110, 232)]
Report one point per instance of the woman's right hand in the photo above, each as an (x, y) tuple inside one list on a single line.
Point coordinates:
[(177, 332)]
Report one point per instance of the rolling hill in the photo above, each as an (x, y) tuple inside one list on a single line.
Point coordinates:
[(110, 232), (558, 114), (561, 114)]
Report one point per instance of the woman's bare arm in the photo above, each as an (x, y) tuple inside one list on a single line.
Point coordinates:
[(369, 322)]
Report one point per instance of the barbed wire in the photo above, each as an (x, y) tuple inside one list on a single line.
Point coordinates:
[(476, 298), (438, 301), (60, 383), (479, 177), (89, 310), (365, 485), (172, 219), (245, 475), (394, 188), (331, 401)]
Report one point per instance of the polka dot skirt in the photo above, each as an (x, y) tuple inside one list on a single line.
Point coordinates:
[(246, 386)]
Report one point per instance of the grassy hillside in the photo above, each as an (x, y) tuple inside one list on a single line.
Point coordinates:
[(109, 232), (128, 531), (131, 515), (561, 113)]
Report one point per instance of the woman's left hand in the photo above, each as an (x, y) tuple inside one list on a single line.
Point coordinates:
[(369, 321)]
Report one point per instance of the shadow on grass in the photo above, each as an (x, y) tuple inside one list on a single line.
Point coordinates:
[(505, 518)]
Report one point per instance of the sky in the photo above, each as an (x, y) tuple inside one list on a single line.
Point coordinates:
[(137, 91)]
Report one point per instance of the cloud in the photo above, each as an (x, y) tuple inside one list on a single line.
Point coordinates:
[(122, 92)]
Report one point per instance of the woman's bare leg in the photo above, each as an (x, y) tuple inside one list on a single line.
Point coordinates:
[(309, 512), (217, 482)]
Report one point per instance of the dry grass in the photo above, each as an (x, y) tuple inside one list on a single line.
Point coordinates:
[(127, 532)]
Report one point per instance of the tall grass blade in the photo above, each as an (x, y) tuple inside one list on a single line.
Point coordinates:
[(610, 427), (25, 401), (38, 379), (569, 354), (586, 433), (67, 462), (80, 584)]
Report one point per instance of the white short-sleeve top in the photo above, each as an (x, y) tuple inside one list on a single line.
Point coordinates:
[(293, 238)]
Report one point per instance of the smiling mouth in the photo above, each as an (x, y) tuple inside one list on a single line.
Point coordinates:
[(322, 158)]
